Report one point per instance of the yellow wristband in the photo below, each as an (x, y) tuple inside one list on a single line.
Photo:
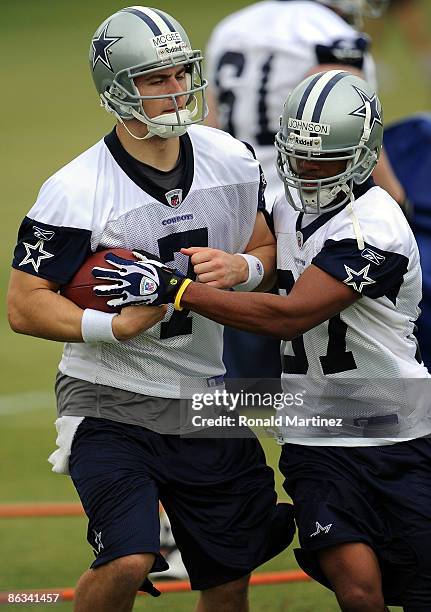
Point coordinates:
[(185, 284)]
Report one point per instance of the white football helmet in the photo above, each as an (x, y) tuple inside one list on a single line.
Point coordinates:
[(330, 116), (138, 40)]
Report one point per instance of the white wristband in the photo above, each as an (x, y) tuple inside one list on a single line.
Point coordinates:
[(255, 273), (96, 326)]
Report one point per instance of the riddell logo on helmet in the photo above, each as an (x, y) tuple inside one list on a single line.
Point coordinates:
[(168, 49), (309, 126), (314, 143)]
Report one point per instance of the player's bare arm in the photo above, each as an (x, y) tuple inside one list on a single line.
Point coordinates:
[(223, 270), (315, 297), (385, 177), (35, 308)]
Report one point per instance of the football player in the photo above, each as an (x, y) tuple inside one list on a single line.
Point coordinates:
[(157, 182), (356, 449), (255, 57)]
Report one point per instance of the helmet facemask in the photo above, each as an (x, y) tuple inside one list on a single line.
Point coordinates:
[(138, 41), (316, 196), (123, 98), (332, 118)]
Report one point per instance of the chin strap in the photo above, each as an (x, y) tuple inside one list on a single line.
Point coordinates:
[(364, 138), (168, 125), (356, 225), (109, 109), (326, 196), (366, 132), (165, 126)]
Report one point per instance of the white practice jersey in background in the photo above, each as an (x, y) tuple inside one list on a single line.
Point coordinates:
[(92, 204), (257, 55), (362, 363)]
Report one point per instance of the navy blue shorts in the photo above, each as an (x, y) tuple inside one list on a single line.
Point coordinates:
[(218, 493), (377, 495)]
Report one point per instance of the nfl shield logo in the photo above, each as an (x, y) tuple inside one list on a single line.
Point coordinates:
[(174, 197), (148, 286), (299, 239)]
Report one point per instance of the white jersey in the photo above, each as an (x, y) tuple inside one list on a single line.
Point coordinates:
[(363, 364), (95, 202), (257, 55)]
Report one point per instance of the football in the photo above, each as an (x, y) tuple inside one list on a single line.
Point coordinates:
[(80, 288)]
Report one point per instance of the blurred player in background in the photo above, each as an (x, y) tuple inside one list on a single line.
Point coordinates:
[(158, 183), (350, 282), (255, 57)]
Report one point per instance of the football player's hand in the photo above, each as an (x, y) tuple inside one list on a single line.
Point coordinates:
[(146, 281), (135, 319), (217, 268)]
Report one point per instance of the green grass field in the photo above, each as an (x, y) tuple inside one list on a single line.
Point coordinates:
[(50, 114)]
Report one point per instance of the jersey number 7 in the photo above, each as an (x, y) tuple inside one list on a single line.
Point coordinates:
[(180, 323)]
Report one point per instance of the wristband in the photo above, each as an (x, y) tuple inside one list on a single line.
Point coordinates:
[(186, 282), (96, 326), (255, 273)]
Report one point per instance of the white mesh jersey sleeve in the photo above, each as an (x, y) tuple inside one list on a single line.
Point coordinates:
[(66, 198), (57, 234)]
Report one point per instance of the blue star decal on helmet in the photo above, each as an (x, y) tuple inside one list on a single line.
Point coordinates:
[(101, 45), (361, 110)]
